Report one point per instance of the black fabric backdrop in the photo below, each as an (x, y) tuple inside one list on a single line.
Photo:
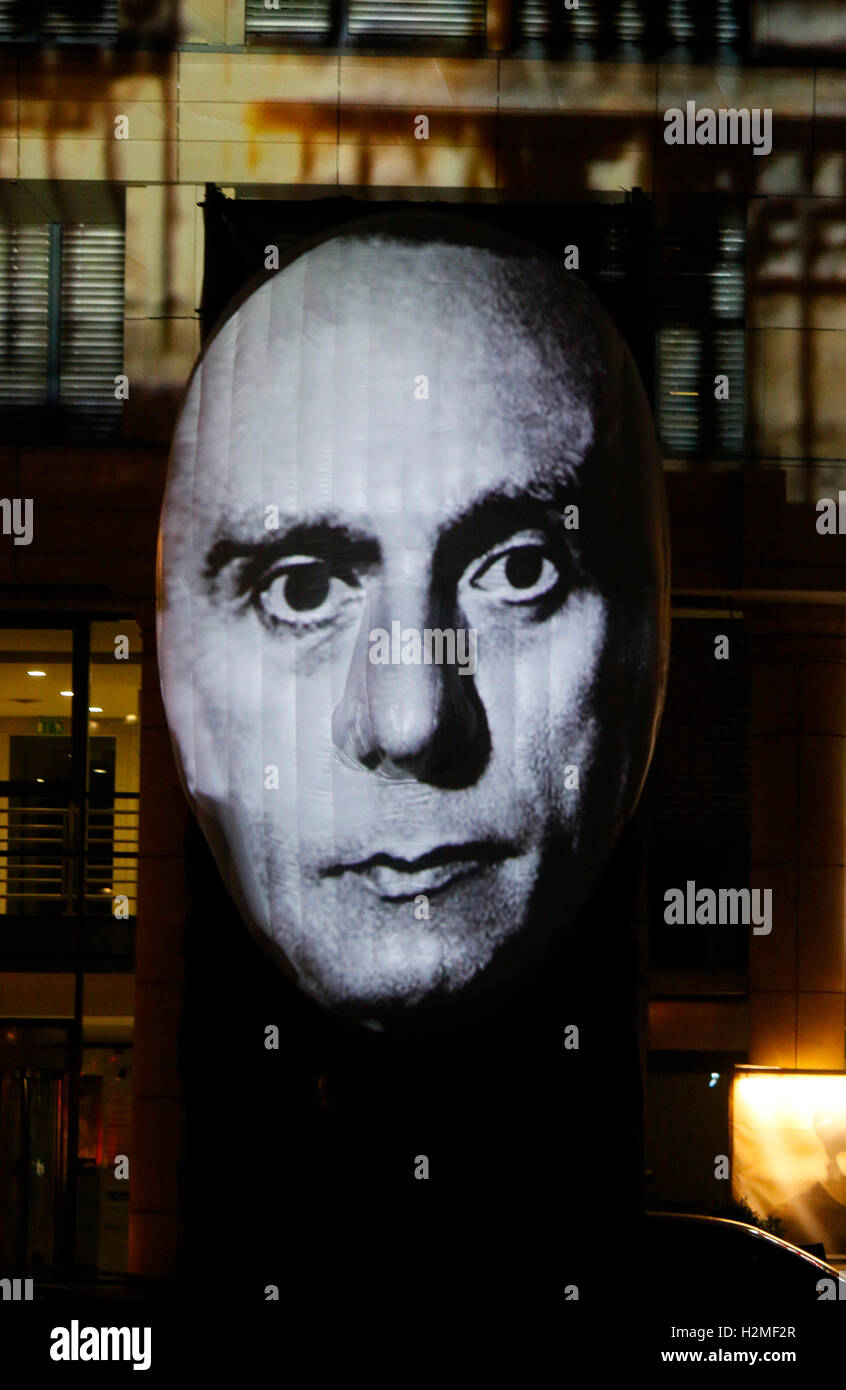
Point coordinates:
[(299, 1163), (616, 242), (298, 1166)]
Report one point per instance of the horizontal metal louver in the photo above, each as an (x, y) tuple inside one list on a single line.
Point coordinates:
[(61, 349), (722, 22), (703, 295), (681, 22), (453, 19), (59, 21), (698, 793), (593, 20), (704, 272), (378, 19), (17, 21), (91, 328), (701, 769), (690, 419), (24, 321), (289, 17)]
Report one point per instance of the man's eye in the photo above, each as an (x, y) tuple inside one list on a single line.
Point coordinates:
[(520, 574), (302, 592)]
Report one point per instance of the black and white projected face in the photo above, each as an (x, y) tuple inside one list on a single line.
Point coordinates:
[(413, 612)]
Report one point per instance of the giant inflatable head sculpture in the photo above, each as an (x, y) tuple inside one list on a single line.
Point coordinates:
[(413, 610)]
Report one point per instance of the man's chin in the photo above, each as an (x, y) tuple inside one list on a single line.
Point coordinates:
[(436, 984)]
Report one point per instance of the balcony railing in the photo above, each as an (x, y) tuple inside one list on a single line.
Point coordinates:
[(43, 857)]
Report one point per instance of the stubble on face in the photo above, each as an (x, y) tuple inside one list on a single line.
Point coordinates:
[(332, 433)]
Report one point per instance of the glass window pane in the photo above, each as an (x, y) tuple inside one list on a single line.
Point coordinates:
[(36, 830), (114, 742)]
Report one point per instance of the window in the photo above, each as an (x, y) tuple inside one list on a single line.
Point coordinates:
[(61, 328), (69, 784), (69, 801), (650, 26), (697, 798), (368, 22), (686, 28), (58, 21), (702, 336)]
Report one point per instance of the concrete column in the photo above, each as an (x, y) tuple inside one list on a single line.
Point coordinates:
[(797, 974)]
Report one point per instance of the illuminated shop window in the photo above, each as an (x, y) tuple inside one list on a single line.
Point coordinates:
[(69, 783), (61, 328), (702, 338)]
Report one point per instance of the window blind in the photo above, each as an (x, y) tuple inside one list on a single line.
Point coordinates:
[(418, 19), (61, 328), (292, 17), (698, 792), (702, 336), (91, 328), (24, 317), (663, 23), (59, 21), (375, 19)]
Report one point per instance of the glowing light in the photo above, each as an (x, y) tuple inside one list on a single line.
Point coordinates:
[(36, 673), (788, 1141), (715, 1076)]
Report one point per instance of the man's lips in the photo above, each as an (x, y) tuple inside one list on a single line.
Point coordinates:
[(391, 877)]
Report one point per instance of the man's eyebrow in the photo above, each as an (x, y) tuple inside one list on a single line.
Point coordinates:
[(324, 537), (500, 513)]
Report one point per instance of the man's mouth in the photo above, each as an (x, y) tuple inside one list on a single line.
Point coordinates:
[(395, 879)]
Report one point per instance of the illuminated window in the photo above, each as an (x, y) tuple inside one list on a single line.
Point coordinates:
[(61, 328), (69, 781)]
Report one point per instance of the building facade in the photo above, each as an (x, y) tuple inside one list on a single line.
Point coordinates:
[(130, 142)]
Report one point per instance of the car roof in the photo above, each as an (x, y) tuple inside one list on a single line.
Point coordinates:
[(724, 1221)]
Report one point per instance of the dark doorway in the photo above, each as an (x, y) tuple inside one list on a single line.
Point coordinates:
[(33, 1143)]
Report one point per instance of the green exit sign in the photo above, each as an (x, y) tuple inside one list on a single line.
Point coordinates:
[(50, 726)]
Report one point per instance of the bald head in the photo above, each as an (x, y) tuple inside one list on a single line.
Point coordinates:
[(411, 424), (373, 356)]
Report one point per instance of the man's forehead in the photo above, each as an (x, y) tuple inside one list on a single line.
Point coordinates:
[(371, 378), (362, 517)]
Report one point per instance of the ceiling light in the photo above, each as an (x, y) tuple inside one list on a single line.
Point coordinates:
[(131, 718), (66, 692), (95, 709), (36, 673)]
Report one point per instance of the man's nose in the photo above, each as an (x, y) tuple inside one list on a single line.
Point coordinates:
[(410, 720)]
